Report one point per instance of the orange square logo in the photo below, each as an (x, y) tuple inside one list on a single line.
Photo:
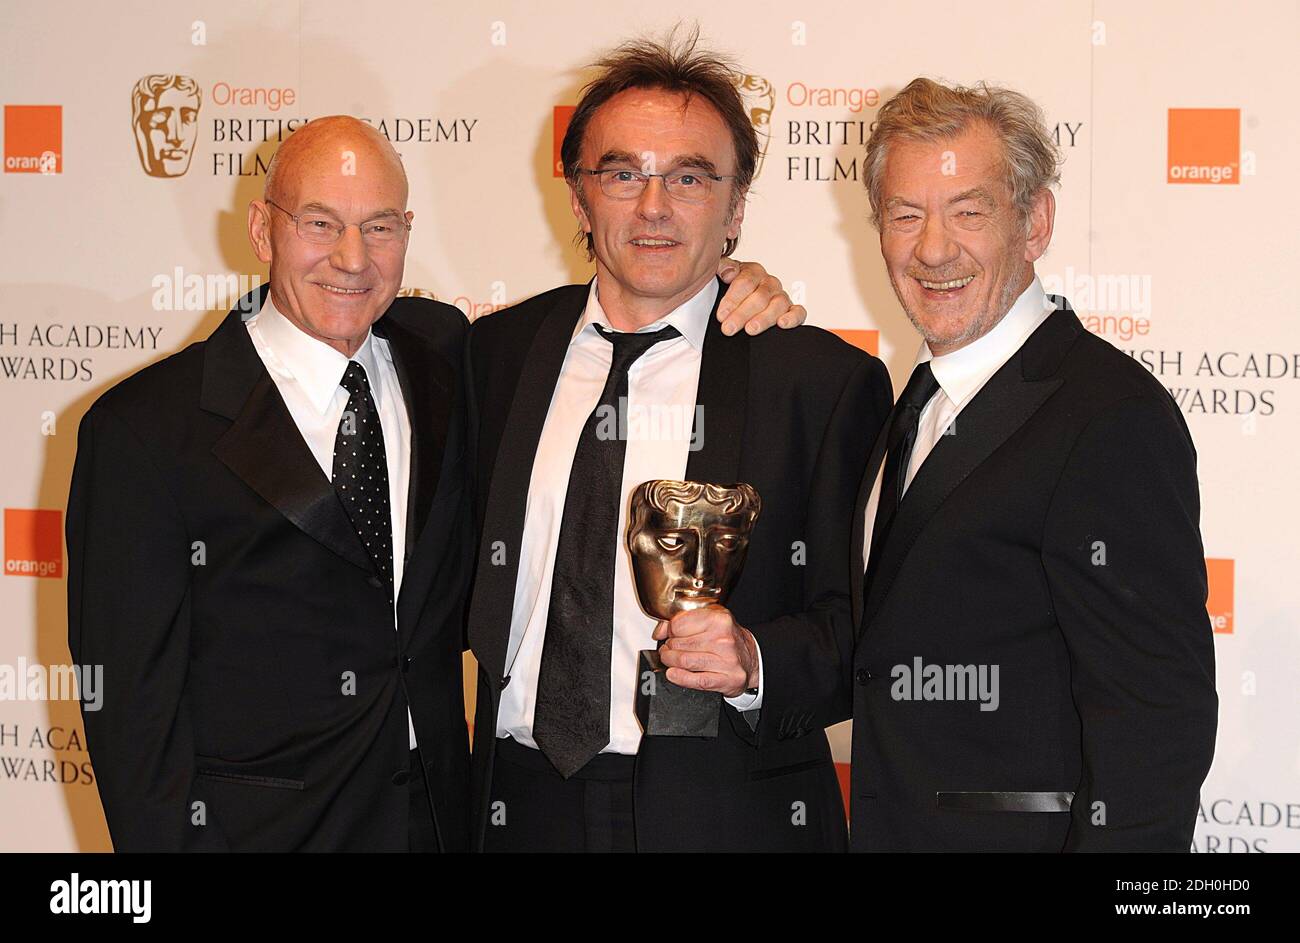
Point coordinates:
[(560, 124), (33, 543), (863, 340), (1204, 145), (1219, 603), (33, 139)]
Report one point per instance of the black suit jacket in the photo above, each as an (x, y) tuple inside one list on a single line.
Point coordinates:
[(1055, 535), (794, 414), (215, 575)]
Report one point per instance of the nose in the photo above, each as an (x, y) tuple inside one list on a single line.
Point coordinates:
[(701, 568), (935, 247), (350, 253), (654, 203), (173, 128)]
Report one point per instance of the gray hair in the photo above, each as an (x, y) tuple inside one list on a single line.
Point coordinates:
[(929, 111)]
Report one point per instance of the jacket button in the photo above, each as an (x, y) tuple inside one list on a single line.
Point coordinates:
[(401, 777), (862, 675), (406, 662)]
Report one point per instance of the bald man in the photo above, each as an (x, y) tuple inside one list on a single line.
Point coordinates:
[(269, 541)]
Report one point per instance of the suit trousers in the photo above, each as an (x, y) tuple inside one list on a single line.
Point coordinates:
[(534, 808)]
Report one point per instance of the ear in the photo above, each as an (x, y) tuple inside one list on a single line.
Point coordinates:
[(1042, 216), (737, 216), (259, 230), (576, 205)]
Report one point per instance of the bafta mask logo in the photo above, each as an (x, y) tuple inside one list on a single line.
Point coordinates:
[(688, 541), (165, 120), (759, 97)]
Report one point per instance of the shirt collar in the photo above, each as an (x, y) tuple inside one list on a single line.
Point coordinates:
[(691, 318), (316, 366), (963, 372)]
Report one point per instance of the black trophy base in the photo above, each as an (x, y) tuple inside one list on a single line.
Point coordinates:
[(669, 710)]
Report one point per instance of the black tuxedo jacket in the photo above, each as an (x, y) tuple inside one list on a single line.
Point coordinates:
[(793, 413), (255, 689), (1054, 535)]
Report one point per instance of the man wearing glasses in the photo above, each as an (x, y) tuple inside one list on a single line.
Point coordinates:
[(659, 154), (269, 543)]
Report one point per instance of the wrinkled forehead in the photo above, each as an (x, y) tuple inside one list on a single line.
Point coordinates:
[(973, 157), (673, 127)]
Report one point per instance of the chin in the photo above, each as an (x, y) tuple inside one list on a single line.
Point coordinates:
[(653, 281), (340, 328)]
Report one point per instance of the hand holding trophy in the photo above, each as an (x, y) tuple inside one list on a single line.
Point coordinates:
[(688, 541)]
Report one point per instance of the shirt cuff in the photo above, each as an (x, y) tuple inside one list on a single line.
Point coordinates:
[(744, 701)]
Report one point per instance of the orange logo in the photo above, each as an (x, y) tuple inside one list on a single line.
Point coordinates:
[(33, 139), (863, 340), (1204, 145), (560, 124), (1219, 603), (33, 543)]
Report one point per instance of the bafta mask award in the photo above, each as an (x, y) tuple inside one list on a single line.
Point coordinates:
[(688, 541)]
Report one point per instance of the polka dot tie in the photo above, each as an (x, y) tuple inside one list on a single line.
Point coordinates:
[(361, 473)]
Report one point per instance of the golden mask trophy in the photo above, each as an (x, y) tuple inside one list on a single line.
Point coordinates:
[(688, 541)]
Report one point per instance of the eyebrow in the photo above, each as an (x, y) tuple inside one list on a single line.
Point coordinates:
[(315, 207), (617, 157), (975, 193), (698, 161)]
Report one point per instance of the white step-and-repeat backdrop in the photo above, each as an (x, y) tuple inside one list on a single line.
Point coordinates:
[(1176, 240)]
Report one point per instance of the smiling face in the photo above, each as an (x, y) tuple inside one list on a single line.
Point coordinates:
[(346, 171), (654, 252), (689, 554), (958, 251)]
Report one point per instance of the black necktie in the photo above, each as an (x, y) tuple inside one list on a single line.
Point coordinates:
[(902, 436), (361, 472), (571, 717)]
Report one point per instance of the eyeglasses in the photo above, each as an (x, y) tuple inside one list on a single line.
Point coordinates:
[(688, 186), (324, 230)]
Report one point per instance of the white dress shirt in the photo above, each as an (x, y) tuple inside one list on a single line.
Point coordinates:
[(961, 374), (307, 372), (663, 381)]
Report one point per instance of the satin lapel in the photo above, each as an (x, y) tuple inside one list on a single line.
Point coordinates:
[(427, 386), (1004, 405), (264, 447), (859, 562), (720, 402), (503, 524)]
